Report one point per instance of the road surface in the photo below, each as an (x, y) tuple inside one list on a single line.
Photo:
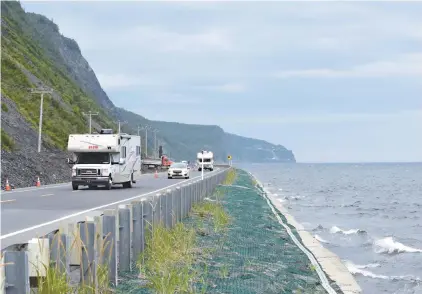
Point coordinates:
[(30, 212)]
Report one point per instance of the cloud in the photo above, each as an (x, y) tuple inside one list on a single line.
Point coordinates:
[(225, 88), (413, 115), (405, 65), (119, 81)]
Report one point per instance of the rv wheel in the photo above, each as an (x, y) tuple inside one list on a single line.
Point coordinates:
[(109, 184), (75, 187), (128, 184)]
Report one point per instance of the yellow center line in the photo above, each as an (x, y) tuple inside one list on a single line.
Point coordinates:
[(46, 195), (8, 201)]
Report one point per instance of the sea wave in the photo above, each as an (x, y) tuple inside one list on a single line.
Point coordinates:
[(337, 230), (320, 239), (357, 269), (389, 246)]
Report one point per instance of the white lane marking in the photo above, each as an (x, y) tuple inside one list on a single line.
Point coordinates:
[(46, 195), (36, 188), (8, 201), (99, 207), (30, 189), (76, 191)]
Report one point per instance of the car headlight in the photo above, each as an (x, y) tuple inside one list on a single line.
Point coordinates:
[(104, 172), (74, 172)]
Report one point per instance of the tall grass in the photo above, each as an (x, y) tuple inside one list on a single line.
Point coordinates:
[(231, 177), (215, 211), (167, 261)]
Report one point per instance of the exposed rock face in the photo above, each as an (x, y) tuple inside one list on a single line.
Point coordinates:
[(24, 164)]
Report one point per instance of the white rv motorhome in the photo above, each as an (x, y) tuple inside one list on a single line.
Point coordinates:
[(104, 159), (207, 157)]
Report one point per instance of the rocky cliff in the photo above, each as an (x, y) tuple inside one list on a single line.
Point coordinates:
[(35, 54)]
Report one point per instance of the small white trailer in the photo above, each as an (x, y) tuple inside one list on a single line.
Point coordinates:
[(104, 159), (205, 159)]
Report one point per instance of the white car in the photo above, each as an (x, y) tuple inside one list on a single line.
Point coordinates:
[(178, 170)]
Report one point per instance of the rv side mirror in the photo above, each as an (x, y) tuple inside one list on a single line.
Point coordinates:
[(122, 161), (70, 161)]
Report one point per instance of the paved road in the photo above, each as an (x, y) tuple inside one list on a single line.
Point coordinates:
[(30, 212)]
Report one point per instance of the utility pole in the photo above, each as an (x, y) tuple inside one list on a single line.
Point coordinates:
[(121, 123), (41, 91), (90, 114), (146, 128), (155, 142)]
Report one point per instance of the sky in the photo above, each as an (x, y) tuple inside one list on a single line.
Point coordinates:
[(332, 81)]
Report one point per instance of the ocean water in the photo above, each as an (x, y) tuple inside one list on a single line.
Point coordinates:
[(370, 215)]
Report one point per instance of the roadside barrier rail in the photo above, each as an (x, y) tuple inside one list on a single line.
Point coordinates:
[(111, 241)]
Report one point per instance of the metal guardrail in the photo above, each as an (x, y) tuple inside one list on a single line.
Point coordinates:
[(115, 239)]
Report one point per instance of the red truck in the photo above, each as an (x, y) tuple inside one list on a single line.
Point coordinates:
[(163, 162)]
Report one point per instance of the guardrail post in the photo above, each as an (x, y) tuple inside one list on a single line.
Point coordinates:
[(16, 272), (186, 199), (110, 245), (182, 201), (178, 204), (173, 207), (87, 239), (124, 238), (137, 235), (148, 217), (164, 200), (38, 251), (59, 252), (197, 191), (157, 210), (191, 197)]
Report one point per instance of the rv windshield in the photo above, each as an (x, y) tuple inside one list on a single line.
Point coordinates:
[(93, 158), (205, 159)]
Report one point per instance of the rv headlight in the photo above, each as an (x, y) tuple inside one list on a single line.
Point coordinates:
[(104, 172), (74, 172)]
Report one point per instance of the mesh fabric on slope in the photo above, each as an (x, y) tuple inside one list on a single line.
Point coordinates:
[(255, 255)]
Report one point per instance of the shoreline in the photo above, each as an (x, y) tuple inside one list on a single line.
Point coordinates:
[(330, 263)]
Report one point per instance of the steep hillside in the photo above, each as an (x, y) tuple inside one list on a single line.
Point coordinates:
[(35, 54)]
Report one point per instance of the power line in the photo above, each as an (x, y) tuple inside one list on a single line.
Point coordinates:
[(90, 114), (41, 91)]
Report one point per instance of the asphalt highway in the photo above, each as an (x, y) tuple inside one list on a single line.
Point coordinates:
[(30, 212)]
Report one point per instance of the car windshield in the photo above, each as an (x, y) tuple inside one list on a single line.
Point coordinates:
[(93, 158), (178, 165)]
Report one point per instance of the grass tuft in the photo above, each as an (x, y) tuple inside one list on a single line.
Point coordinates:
[(231, 177), (7, 143), (215, 211), (167, 261)]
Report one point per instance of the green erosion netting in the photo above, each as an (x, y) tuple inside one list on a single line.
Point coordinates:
[(254, 255)]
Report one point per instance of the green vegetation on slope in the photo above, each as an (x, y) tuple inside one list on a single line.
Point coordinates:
[(7, 143), (22, 57)]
